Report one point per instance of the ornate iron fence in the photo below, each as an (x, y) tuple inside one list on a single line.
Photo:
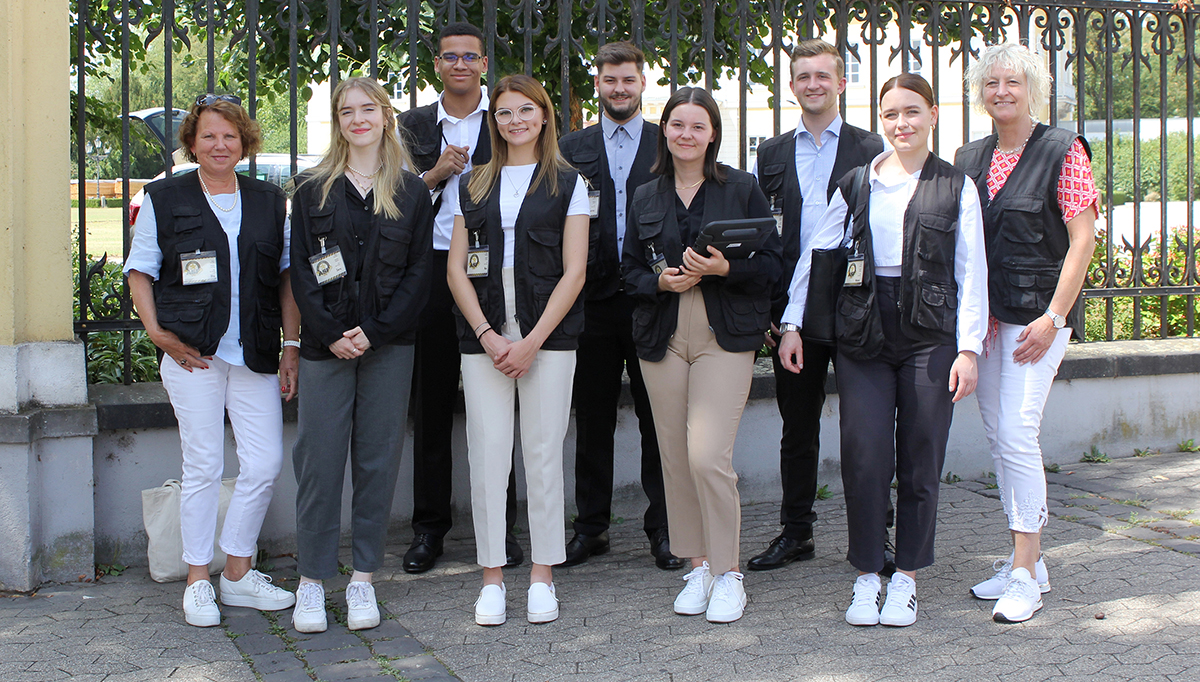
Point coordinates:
[(1125, 77)]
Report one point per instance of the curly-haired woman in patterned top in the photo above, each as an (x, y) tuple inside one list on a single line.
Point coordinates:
[(1039, 213)]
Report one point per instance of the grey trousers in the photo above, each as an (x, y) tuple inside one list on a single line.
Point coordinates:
[(361, 403), (895, 420)]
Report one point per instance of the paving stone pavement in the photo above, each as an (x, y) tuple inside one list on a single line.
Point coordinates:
[(1125, 605)]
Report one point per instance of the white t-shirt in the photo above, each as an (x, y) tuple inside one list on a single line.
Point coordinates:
[(514, 185), (146, 257)]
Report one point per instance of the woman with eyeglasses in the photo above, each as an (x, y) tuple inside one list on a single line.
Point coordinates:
[(364, 227), (517, 264), (699, 322), (208, 271), (909, 330)]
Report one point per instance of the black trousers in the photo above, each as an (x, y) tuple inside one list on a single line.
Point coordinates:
[(895, 421), (605, 349), (800, 398), (435, 397)]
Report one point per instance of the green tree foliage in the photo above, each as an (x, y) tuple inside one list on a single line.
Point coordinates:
[(1132, 182), (1149, 70)]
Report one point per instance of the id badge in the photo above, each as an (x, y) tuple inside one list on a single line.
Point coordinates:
[(659, 265), (199, 267), (328, 265), (594, 204), (854, 271), (477, 262), (777, 213)]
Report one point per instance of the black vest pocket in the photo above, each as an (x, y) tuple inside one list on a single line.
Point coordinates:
[(746, 315), (1028, 284), (186, 313), (937, 237), (936, 307), (858, 324), (545, 253)]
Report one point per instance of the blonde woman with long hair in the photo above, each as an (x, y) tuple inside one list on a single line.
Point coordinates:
[(363, 229), (516, 267)]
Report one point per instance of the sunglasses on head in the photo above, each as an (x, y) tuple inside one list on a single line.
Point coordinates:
[(209, 99)]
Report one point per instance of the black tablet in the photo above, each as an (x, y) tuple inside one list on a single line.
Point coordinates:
[(735, 238)]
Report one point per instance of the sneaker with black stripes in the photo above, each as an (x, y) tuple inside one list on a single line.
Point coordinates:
[(900, 608)]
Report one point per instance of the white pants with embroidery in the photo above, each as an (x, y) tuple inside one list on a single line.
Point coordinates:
[(1011, 399)]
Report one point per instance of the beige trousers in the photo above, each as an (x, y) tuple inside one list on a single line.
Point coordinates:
[(697, 393), (491, 402)]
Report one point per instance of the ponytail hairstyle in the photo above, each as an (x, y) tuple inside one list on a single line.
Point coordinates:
[(392, 153)]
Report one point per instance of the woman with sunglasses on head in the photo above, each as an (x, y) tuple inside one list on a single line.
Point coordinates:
[(909, 331), (517, 264), (364, 227), (208, 274), (699, 321), (1040, 209)]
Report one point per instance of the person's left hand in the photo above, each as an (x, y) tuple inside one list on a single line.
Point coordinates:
[(769, 337), (964, 375), (715, 264), (515, 359), (1035, 340), (289, 372), (358, 338)]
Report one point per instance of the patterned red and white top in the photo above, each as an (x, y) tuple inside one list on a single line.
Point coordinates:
[(1076, 187)]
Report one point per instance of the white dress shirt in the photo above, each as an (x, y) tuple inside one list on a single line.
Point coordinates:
[(887, 208), (460, 132)]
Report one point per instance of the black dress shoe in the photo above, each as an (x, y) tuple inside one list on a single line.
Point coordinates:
[(513, 556), (583, 546), (782, 552), (660, 549), (423, 553)]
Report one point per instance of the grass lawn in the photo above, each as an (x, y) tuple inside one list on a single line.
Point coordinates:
[(104, 230)]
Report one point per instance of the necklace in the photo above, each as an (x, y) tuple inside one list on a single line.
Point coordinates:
[(364, 188), (365, 175), (516, 188), (211, 198), (1018, 150), (694, 184)]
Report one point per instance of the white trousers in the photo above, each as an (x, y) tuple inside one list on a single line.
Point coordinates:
[(1011, 399), (200, 399), (545, 396)]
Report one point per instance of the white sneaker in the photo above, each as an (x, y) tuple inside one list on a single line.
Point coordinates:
[(900, 608), (490, 607), (993, 587), (693, 599), (309, 614), (362, 611), (255, 591), (728, 600), (200, 605), (1021, 599), (864, 608), (543, 603)]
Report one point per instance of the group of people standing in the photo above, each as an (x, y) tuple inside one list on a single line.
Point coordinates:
[(465, 236)]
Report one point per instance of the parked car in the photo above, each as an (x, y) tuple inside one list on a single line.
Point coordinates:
[(274, 168), (156, 122)]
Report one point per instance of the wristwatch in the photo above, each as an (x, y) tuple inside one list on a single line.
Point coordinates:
[(788, 327), (1058, 320)]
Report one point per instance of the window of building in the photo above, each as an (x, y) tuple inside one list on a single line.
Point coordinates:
[(914, 57)]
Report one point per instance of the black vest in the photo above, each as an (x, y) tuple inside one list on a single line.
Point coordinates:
[(738, 311), (1026, 238), (584, 149), (199, 313), (537, 261), (928, 290), (423, 136), (778, 179)]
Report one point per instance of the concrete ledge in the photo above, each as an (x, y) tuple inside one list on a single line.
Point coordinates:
[(48, 422), (145, 406)]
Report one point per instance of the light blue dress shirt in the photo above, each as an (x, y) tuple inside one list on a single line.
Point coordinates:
[(621, 146), (814, 165)]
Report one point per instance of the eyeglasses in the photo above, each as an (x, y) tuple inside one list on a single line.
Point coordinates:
[(525, 113), (469, 58), (207, 100)]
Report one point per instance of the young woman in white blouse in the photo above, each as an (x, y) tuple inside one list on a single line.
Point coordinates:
[(910, 322), (517, 264)]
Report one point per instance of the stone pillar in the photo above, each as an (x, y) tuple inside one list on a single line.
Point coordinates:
[(46, 426)]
